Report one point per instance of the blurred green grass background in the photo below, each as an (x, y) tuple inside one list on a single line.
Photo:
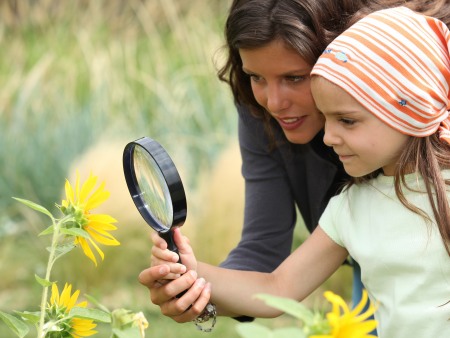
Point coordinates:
[(78, 81)]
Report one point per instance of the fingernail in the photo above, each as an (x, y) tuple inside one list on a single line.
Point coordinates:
[(201, 282), (208, 288), (193, 273)]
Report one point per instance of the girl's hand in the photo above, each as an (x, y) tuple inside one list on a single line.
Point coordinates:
[(164, 292), (161, 255)]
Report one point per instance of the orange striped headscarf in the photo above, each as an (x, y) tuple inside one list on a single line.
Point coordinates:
[(395, 63)]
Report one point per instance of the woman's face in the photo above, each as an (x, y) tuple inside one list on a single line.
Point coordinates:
[(280, 81)]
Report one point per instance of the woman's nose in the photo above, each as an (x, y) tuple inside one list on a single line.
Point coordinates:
[(276, 99)]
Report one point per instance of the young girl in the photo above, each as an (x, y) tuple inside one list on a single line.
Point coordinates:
[(383, 87)]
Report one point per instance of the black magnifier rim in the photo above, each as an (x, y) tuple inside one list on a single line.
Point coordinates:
[(170, 175)]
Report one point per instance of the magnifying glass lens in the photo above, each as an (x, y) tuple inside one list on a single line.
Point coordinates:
[(153, 188), (156, 188)]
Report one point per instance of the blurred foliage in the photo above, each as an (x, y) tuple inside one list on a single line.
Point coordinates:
[(78, 73)]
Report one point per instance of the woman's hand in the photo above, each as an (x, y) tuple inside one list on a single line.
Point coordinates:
[(163, 293), (166, 279)]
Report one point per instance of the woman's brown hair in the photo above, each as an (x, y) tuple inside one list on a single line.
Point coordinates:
[(305, 26)]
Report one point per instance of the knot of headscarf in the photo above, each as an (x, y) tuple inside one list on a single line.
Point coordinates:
[(396, 63)]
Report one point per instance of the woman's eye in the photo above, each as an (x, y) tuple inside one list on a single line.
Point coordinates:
[(254, 78), (295, 78)]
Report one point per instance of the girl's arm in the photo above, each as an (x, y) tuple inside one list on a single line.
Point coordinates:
[(232, 291)]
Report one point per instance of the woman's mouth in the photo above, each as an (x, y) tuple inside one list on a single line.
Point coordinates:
[(290, 123)]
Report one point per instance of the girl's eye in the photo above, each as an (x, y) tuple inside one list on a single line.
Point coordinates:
[(347, 121)]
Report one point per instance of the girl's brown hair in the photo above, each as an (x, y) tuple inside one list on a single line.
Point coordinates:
[(427, 157)]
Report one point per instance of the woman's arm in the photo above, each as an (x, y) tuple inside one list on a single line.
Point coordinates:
[(269, 214)]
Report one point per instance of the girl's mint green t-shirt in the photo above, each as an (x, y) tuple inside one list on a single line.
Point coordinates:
[(404, 265)]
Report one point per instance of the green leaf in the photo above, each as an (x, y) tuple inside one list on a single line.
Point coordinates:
[(252, 330), (97, 303), (290, 306), (34, 206), (32, 317), (130, 332), (255, 330), (16, 325), (42, 281), (47, 231), (93, 314), (75, 232), (61, 250), (289, 332)]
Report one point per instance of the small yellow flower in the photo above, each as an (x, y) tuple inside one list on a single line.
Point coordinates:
[(349, 324), (59, 307), (79, 203), (141, 322)]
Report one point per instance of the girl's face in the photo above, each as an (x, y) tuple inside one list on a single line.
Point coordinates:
[(363, 142), (280, 82)]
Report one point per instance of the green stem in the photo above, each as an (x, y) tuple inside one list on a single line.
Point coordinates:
[(51, 260)]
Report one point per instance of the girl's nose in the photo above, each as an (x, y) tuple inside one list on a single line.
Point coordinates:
[(330, 137)]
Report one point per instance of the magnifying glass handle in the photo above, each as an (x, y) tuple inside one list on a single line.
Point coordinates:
[(168, 237)]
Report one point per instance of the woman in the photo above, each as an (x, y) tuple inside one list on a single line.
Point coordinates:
[(273, 45)]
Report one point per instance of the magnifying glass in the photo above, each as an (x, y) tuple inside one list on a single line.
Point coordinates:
[(155, 186)]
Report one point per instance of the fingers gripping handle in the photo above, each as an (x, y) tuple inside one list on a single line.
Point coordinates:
[(168, 237)]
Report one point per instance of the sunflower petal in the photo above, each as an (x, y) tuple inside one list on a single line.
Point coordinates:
[(87, 188), (73, 300), (54, 299), (87, 250), (345, 323), (97, 198), (80, 203), (102, 226), (100, 252), (69, 192), (103, 237), (60, 306), (65, 295), (102, 218), (362, 304)]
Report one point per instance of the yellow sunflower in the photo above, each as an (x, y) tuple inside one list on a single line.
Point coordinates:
[(349, 324), (59, 324), (79, 202)]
